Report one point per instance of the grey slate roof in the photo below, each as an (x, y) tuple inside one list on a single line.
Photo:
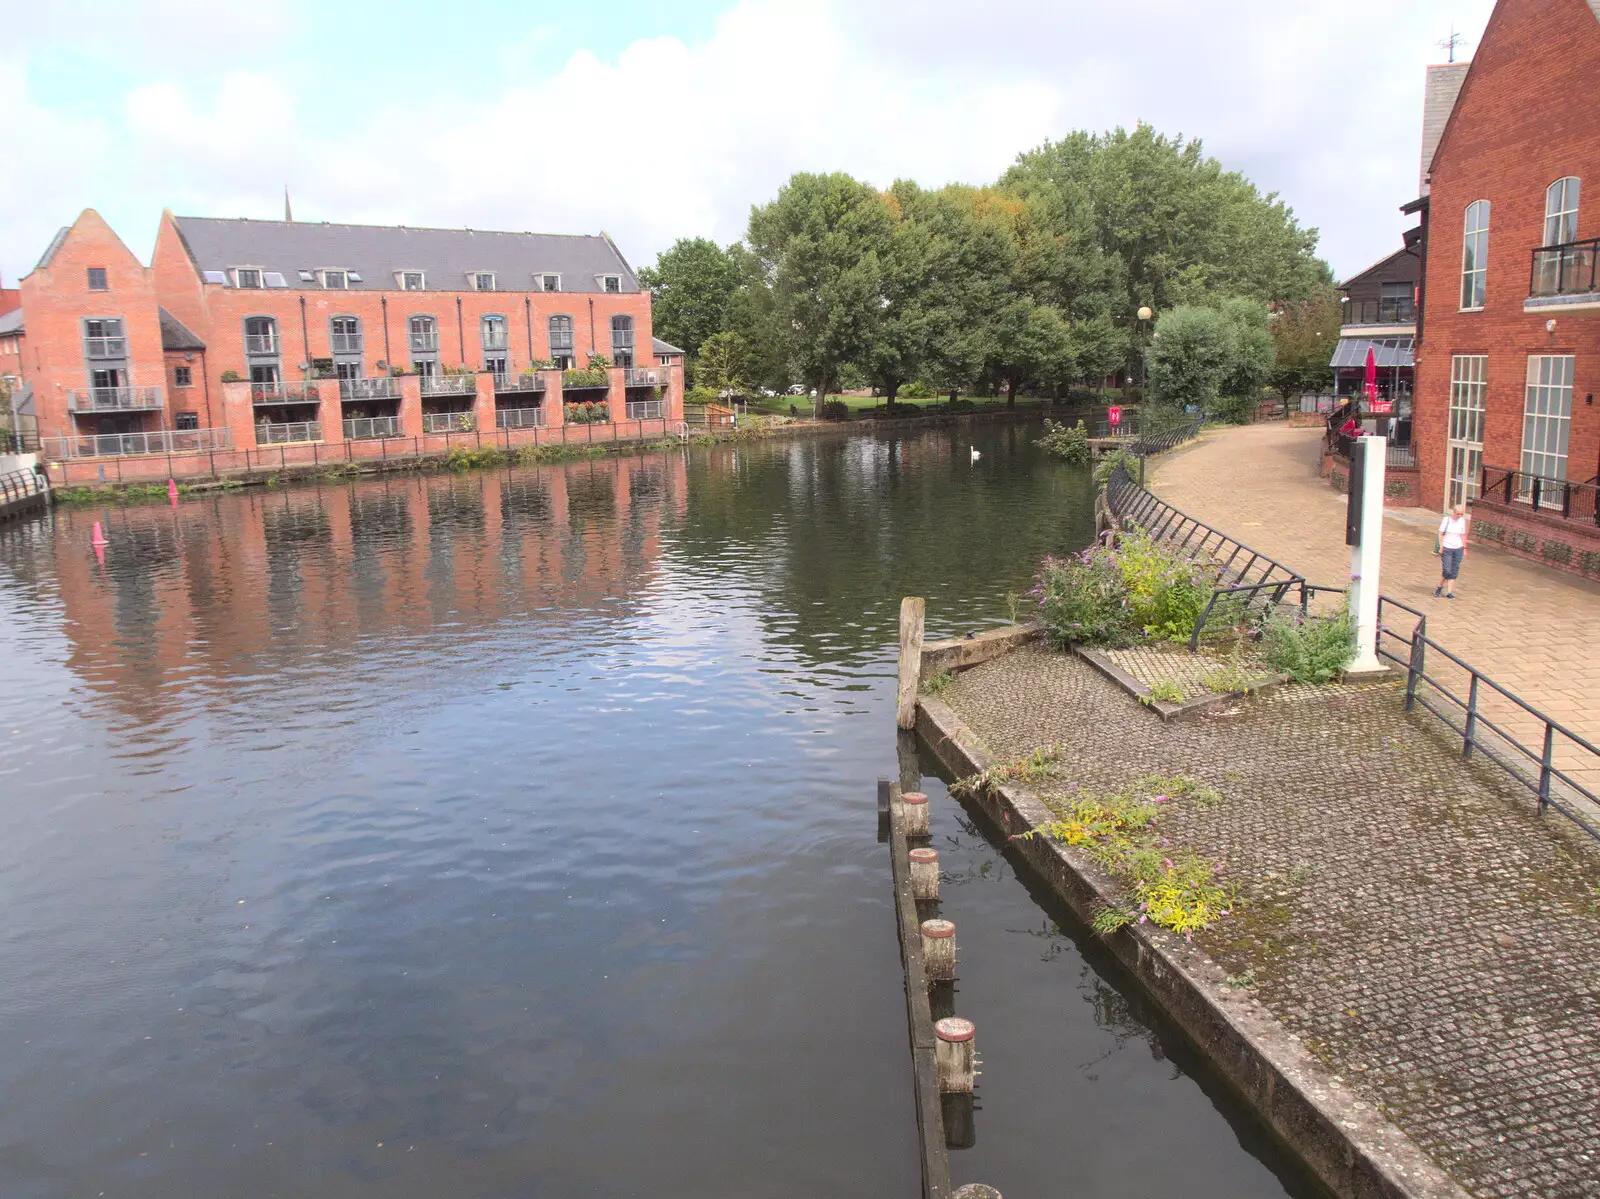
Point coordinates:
[(663, 347), (11, 322), (376, 252), (175, 335)]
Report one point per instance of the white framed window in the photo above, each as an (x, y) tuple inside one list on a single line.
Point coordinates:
[(611, 283), (260, 335), (424, 335), (345, 334), (496, 335), (1561, 212), (1469, 392), (481, 280), (410, 280), (335, 280), (549, 282), (247, 276), (1547, 419), (1475, 254), (561, 351)]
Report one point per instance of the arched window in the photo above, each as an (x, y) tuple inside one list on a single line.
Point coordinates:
[(1561, 212), (260, 335), (561, 341), (622, 340), (1475, 254)]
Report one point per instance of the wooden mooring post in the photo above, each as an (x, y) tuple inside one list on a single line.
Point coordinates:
[(913, 610)]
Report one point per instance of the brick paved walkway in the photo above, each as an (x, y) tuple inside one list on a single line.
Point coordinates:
[(1528, 627), (1407, 915)]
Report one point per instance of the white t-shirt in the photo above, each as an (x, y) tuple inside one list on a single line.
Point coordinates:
[(1452, 532)]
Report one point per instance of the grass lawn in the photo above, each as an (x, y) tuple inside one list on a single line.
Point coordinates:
[(868, 405)]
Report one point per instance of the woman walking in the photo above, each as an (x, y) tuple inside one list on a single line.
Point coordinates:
[(1452, 547)]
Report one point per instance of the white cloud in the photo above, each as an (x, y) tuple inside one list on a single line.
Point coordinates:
[(1318, 101)]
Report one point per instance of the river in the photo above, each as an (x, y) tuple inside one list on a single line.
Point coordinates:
[(512, 833)]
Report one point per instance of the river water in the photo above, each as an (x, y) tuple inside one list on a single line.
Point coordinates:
[(513, 834)]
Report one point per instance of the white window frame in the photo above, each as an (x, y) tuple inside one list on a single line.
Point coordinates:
[(1561, 211), (1469, 396), (545, 276), (476, 278), (1547, 421), (606, 280), (401, 276), (260, 276), (343, 275), (1475, 255)]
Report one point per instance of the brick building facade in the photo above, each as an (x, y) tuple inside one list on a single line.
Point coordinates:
[(1508, 339), (245, 334)]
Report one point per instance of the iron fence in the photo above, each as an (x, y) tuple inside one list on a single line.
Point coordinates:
[(287, 432), (114, 399), (518, 418), (645, 376), (378, 388), (1392, 311), (449, 422), (1571, 268), (443, 385), (364, 428), (523, 382), (644, 409), (1394, 455), (1569, 500), (1484, 716), (112, 445)]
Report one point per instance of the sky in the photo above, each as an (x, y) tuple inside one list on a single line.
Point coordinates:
[(654, 121)]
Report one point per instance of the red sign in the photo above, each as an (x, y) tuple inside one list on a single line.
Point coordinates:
[(1380, 407), (1113, 417)]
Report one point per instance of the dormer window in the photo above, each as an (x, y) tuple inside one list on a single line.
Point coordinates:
[(409, 280), (550, 282), (610, 282), (482, 280), (335, 280), (247, 276)]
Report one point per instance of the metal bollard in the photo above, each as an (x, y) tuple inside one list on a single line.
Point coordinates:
[(915, 810), (954, 1053), (924, 873), (939, 949)]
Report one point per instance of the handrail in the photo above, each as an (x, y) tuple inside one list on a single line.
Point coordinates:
[(19, 485), (1566, 269), (1574, 501)]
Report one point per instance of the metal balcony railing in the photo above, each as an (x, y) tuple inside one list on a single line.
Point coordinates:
[(422, 343), (449, 422), (378, 388), (106, 347), (644, 409), (260, 343), (645, 376), (449, 385), (523, 382), (518, 418), (284, 434), (115, 399), (347, 343), (1569, 500), (267, 393), (162, 441), (1569, 269), (363, 428), (1393, 311)]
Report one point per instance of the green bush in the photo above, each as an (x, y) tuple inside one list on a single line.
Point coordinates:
[(1311, 650), (1082, 599), (915, 390), (593, 376), (1069, 444), (1233, 410), (1107, 466), (1166, 591), (835, 410), (699, 395)]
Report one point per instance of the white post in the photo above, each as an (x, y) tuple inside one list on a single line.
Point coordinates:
[(924, 873), (914, 807), (939, 949), (954, 1054), (1364, 558)]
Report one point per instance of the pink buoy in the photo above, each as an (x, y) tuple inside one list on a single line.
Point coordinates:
[(172, 491), (99, 537)]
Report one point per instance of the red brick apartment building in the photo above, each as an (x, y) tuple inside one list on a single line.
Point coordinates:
[(324, 341), (1508, 340)]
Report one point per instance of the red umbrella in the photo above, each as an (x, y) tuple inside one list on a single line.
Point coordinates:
[(1372, 375)]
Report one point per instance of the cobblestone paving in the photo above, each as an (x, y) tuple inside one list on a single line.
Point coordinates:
[(1408, 915), (1169, 663), (1529, 627)]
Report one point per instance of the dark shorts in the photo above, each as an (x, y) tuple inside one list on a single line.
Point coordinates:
[(1450, 563)]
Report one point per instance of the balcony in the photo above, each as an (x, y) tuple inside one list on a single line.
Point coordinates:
[(365, 428), (106, 347), (115, 399), (424, 343), (519, 418), (449, 385), (261, 343), (644, 410), (379, 388), (645, 376), (1565, 270), (449, 422), (162, 441), (1393, 311), (289, 433), (1552, 497), (522, 382)]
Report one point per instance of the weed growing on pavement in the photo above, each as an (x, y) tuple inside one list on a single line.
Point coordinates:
[(937, 682), (1034, 768), (1165, 692)]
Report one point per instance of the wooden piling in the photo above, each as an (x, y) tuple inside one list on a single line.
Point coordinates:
[(954, 1050), (916, 814), (939, 949), (924, 873), (913, 610)]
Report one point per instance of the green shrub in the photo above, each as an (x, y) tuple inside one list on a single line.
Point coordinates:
[(916, 390), (232, 377), (835, 410), (1082, 599), (460, 458), (1166, 591), (1233, 410), (1069, 444), (1167, 691), (1311, 649), (699, 395), (1107, 466), (594, 376)]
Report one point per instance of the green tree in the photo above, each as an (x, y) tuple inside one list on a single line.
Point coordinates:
[(1254, 351), (691, 285), (724, 364), (819, 247), (1190, 355), (1306, 334)]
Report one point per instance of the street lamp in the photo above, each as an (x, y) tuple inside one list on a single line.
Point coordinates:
[(1144, 314)]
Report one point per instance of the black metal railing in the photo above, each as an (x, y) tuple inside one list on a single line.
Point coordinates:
[(1569, 269), (1554, 497), (1394, 454), (22, 489), (1158, 443), (1481, 727), (1391, 311)]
